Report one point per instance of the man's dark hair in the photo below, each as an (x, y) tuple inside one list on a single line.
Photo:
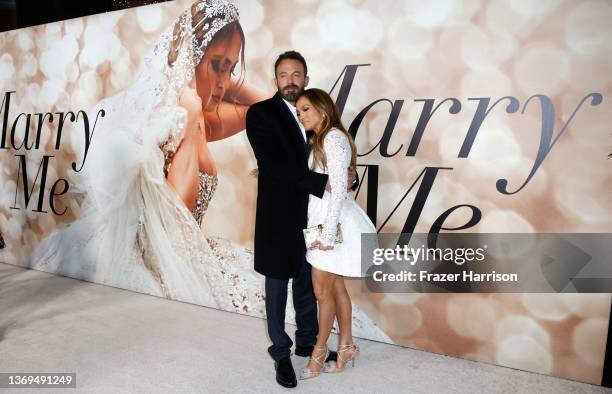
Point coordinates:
[(291, 55)]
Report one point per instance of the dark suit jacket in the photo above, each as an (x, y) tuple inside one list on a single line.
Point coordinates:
[(284, 184)]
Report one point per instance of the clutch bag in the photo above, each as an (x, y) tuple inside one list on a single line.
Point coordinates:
[(311, 234)]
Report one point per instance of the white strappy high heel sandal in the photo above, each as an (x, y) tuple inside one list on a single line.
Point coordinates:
[(346, 362), (319, 360)]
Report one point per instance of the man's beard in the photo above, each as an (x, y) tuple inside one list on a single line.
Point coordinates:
[(291, 96)]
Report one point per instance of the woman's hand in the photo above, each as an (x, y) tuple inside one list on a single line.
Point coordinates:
[(244, 93), (325, 247), (313, 245), (191, 101), (318, 245)]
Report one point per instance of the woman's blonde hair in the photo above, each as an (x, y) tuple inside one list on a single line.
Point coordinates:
[(324, 104)]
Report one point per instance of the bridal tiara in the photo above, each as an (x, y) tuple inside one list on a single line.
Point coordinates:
[(217, 14), (182, 46)]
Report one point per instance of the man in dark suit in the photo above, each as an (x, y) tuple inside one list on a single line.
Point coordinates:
[(284, 184)]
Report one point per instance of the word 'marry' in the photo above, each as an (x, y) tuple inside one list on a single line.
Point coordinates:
[(21, 126), (484, 107)]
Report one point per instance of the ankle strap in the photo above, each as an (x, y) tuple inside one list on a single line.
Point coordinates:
[(345, 348), (316, 359)]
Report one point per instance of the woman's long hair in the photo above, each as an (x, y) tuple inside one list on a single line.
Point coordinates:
[(324, 104)]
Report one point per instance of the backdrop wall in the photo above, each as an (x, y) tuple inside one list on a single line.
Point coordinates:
[(449, 85)]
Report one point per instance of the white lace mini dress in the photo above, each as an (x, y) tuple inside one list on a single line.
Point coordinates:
[(336, 207)]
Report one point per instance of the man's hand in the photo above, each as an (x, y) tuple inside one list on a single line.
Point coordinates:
[(350, 179), (254, 173)]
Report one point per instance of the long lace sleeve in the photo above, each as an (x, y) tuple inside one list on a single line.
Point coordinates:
[(338, 153)]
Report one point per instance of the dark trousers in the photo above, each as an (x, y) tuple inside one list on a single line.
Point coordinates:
[(305, 306)]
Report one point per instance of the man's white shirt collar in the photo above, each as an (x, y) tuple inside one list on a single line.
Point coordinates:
[(294, 112)]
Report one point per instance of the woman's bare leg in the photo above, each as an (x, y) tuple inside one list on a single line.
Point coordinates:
[(322, 283), (344, 312)]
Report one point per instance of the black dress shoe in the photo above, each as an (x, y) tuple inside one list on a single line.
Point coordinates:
[(306, 351), (333, 356), (285, 375)]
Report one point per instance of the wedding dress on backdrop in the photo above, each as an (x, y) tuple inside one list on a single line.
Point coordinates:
[(132, 230)]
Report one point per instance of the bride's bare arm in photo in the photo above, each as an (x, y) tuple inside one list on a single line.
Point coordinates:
[(225, 120), (230, 118)]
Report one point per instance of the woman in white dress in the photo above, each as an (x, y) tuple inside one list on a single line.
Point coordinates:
[(332, 152)]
